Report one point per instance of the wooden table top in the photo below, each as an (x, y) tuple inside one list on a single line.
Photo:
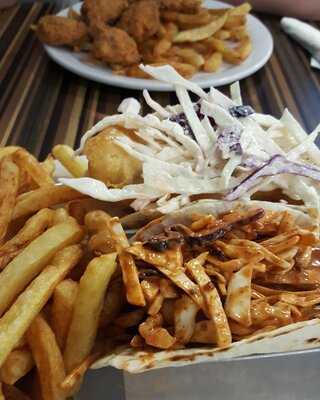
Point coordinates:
[(41, 104)]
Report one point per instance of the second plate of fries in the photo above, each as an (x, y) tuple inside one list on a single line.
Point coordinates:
[(216, 46)]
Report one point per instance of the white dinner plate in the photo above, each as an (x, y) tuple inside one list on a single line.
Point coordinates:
[(262, 44)]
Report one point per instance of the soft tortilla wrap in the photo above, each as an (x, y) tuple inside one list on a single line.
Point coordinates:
[(298, 336)]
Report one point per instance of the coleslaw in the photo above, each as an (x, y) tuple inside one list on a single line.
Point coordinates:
[(214, 146)]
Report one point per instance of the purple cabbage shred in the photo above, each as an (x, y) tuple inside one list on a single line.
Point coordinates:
[(276, 165), (241, 111), (181, 119)]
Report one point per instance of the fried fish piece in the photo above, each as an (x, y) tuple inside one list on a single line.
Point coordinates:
[(61, 31), (185, 6), (115, 46), (99, 12), (141, 20), (108, 162)]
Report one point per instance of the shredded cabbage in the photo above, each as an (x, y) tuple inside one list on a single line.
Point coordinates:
[(215, 145), (129, 105)]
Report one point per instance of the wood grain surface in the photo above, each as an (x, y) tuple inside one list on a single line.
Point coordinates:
[(42, 104)]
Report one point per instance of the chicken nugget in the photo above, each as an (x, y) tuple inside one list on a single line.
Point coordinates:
[(141, 20), (105, 11), (184, 6), (115, 46), (61, 31)]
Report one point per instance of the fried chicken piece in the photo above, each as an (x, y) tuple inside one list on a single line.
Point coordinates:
[(98, 12), (185, 6), (141, 20), (60, 31), (115, 46)]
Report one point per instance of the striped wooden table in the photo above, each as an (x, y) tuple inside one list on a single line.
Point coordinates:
[(42, 105)]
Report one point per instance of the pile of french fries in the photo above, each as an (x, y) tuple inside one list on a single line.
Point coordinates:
[(196, 42), (52, 285)]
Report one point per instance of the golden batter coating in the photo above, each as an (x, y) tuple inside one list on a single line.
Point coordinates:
[(59, 31), (141, 20)]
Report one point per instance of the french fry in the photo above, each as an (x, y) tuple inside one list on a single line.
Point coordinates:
[(49, 165), (13, 393), (89, 301), (238, 33), (79, 208), (186, 21), (190, 56), (72, 163), (171, 30), (183, 68), (101, 243), (243, 9), (29, 203), (212, 299), (216, 44), (23, 268), (15, 322), (204, 32), (9, 178), (162, 47), (60, 215), (97, 220), (244, 48), (234, 21), (34, 227), (170, 16), (1, 393), (31, 165), (48, 359), (63, 301), (17, 365), (223, 34), (240, 53), (200, 47), (213, 62)]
